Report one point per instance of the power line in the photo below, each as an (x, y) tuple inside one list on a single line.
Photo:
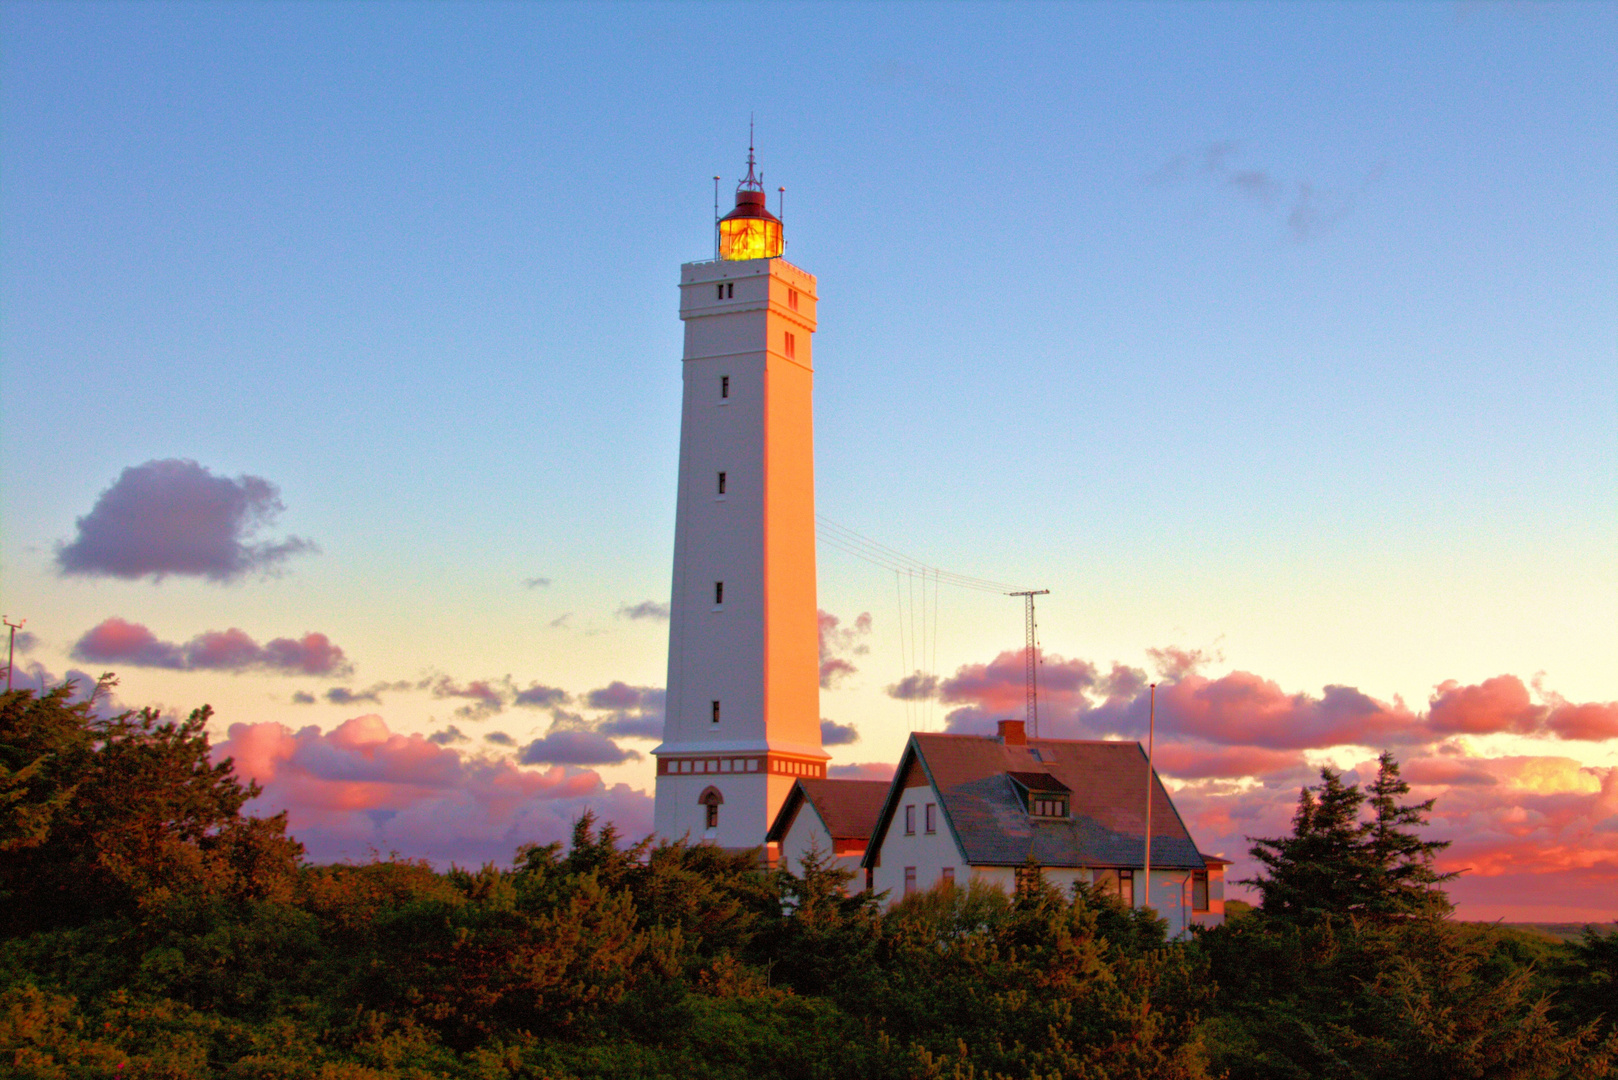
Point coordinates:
[(872, 551)]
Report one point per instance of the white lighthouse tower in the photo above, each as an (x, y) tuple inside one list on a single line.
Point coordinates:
[(743, 711)]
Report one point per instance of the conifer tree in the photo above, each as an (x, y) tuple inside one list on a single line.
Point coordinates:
[(1337, 863)]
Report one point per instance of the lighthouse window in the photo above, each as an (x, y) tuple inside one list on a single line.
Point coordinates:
[(716, 712), (721, 483), (724, 386), (792, 299), (721, 288), (730, 290), (718, 592), (713, 816), (792, 345)]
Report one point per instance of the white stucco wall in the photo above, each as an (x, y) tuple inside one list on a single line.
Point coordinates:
[(809, 830), (1171, 893), (756, 651)]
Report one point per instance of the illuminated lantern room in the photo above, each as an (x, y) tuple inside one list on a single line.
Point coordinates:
[(750, 231)]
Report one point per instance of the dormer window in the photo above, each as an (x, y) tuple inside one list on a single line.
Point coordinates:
[(1043, 795), (1041, 806)]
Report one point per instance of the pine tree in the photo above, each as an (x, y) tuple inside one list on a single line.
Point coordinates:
[(1337, 864), (1402, 879)]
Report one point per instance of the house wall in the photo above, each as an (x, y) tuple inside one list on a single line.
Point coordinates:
[(1171, 893), (807, 831), (929, 854)]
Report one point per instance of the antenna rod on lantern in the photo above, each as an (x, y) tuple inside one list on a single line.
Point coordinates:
[(716, 217), (1151, 738), (781, 207)]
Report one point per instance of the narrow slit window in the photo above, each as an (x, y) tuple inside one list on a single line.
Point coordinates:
[(716, 712), (724, 386), (792, 299), (721, 294), (713, 816), (718, 593), (730, 290), (721, 483), (792, 346)]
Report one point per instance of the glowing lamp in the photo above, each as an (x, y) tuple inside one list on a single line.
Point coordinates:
[(750, 231)]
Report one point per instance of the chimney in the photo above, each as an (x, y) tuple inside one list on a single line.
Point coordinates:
[(1012, 733)]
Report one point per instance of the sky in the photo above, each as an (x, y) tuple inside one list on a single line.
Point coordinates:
[(339, 390)]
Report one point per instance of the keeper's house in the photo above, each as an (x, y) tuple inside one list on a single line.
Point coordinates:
[(991, 808), (834, 818)]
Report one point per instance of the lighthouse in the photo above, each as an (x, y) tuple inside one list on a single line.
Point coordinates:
[(743, 707)]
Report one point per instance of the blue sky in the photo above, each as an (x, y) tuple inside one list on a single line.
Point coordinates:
[(1286, 332)]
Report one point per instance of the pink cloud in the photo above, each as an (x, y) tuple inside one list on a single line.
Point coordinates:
[(1502, 704), (1233, 749), (1191, 762), (118, 641), (838, 643), (362, 787)]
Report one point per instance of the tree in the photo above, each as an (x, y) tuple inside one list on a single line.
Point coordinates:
[(107, 816), (1337, 864)]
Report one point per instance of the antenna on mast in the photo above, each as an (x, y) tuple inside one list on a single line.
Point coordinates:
[(11, 650), (1030, 664)]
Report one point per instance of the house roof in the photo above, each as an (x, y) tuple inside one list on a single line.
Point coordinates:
[(1106, 826), (848, 808)]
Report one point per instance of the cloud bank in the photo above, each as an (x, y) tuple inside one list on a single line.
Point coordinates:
[(361, 788), (176, 517), (117, 641), (1236, 748)]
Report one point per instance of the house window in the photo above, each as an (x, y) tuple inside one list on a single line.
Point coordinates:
[(947, 876), (718, 593), (910, 821), (910, 880), (712, 817), (721, 483), (1047, 807), (792, 346), (1199, 890), (932, 817), (724, 386), (792, 299), (1126, 887), (716, 712), (1028, 877)]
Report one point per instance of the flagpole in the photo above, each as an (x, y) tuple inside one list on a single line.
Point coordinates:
[(1151, 740)]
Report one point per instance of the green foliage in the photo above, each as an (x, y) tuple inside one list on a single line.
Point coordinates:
[(108, 817), (1350, 968), (150, 930)]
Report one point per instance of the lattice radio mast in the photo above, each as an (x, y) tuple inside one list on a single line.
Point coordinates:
[(1030, 663)]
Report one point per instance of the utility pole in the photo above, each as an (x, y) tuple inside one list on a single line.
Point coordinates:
[(11, 649), (1030, 669), (1151, 739)]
